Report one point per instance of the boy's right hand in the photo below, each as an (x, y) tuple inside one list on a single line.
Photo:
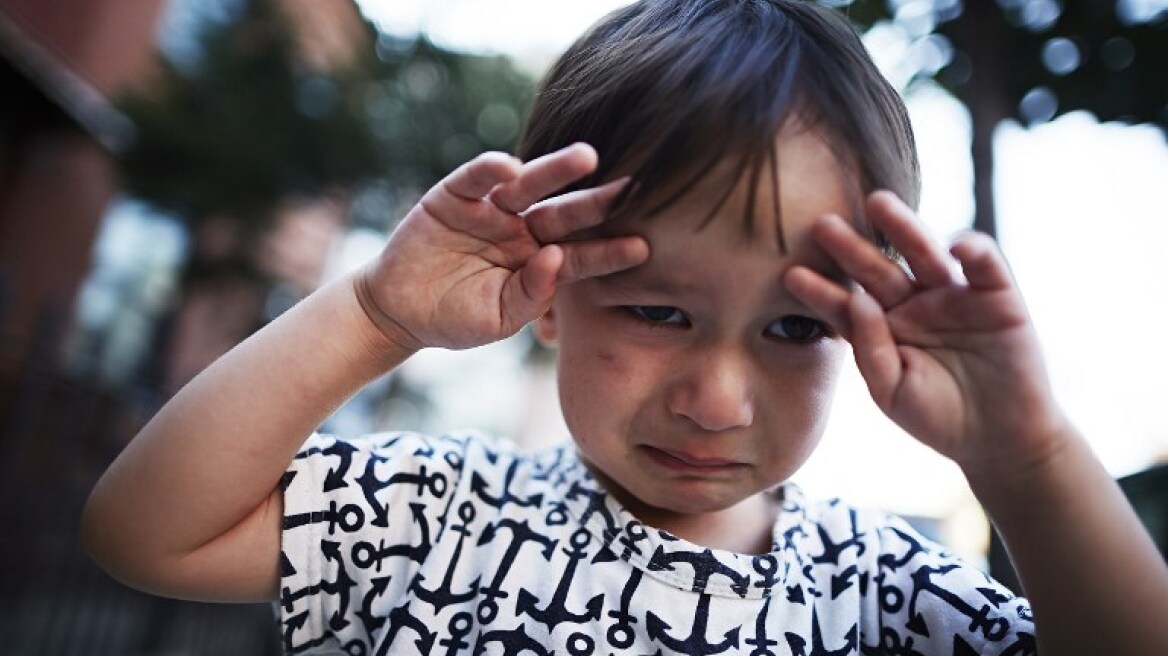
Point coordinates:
[(478, 257)]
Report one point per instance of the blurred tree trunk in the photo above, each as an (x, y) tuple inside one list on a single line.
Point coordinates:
[(978, 35), (1103, 56)]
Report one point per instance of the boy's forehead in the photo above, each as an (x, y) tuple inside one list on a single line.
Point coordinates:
[(709, 222), (806, 179), (677, 267), (704, 270)]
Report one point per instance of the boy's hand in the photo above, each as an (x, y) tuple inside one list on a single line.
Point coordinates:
[(948, 353), (478, 257)]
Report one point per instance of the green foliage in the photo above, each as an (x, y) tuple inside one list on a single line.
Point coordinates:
[(250, 125), (432, 109), (240, 131)]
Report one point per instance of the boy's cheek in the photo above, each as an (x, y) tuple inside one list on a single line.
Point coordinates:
[(826, 380), (600, 365), (608, 359)]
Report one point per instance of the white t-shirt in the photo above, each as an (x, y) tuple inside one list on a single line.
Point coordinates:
[(403, 544)]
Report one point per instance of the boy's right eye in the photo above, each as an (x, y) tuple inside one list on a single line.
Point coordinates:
[(658, 315)]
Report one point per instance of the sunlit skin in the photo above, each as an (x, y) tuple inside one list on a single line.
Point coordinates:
[(695, 382)]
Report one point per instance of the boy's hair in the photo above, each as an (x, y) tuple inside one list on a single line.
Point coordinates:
[(667, 90)]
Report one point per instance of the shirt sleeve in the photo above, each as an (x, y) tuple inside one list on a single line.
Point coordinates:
[(359, 518), (931, 601)]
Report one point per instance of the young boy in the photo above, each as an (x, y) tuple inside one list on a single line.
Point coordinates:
[(701, 267)]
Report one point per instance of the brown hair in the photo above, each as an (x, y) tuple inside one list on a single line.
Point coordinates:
[(666, 90)]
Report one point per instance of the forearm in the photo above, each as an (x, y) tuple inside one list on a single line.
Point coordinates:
[(217, 450), (1095, 579)]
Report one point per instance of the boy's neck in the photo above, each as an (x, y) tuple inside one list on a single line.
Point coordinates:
[(746, 528)]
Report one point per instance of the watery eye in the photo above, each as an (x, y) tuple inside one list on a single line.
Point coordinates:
[(662, 314), (797, 328)]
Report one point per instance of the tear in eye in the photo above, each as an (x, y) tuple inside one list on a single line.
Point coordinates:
[(797, 328)]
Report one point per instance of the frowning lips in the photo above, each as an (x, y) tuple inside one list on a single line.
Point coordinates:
[(683, 461)]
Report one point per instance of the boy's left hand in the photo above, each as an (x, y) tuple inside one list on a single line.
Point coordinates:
[(948, 352)]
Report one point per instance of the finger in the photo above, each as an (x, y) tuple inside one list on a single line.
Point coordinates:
[(457, 200), (560, 217), (543, 176), (876, 352), (826, 298), (929, 263), (476, 178), (982, 262), (528, 293), (589, 259), (862, 261)]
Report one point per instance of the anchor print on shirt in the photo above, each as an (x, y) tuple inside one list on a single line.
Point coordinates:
[(371, 484), (521, 533), (798, 643), (444, 595), (616, 586), (704, 565), (514, 642), (622, 633), (338, 587), (556, 611), (366, 555), (696, 643), (479, 486), (400, 618)]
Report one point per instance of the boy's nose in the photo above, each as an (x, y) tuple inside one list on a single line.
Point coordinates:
[(715, 393)]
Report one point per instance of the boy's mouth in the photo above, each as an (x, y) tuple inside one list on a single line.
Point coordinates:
[(685, 462)]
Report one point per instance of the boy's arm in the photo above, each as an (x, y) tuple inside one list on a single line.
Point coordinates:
[(1094, 577), (191, 506), (954, 360)]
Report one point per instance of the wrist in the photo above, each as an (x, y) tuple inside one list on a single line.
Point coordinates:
[(1032, 475), (385, 338)]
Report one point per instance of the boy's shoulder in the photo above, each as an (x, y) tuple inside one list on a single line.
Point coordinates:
[(452, 448), (828, 525), (453, 455)]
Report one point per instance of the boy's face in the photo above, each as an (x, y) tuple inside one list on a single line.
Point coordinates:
[(695, 381)]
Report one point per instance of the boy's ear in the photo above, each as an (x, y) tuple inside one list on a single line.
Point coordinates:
[(545, 329)]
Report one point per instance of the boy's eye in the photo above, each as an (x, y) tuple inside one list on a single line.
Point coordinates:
[(658, 314), (797, 328)]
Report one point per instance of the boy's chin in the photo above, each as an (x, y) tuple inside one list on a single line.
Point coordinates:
[(669, 502), (684, 505), (741, 524)]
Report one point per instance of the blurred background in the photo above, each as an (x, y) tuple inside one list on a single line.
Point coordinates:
[(176, 173)]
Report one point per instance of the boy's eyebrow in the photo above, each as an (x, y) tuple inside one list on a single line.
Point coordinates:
[(641, 280), (667, 288)]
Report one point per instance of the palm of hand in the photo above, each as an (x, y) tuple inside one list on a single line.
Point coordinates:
[(952, 359), (455, 271), (968, 372), (480, 255)]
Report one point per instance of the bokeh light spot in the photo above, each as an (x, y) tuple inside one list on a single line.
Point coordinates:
[(1038, 105), (1061, 56)]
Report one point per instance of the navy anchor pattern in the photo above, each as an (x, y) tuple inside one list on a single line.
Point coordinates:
[(406, 544)]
